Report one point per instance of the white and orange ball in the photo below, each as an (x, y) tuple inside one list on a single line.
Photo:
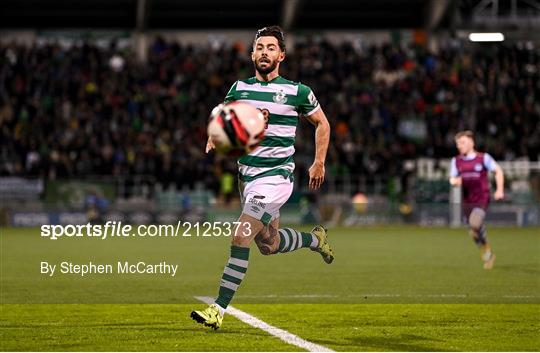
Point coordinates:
[(236, 128)]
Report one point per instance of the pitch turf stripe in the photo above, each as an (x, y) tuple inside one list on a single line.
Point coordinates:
[(380, 295), (283, 335)]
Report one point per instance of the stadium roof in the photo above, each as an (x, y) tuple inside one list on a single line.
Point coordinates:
[(207, 14), (292, 14)]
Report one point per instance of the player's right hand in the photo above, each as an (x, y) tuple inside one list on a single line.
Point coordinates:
[(209, 145), (316, 175), (455, 181)]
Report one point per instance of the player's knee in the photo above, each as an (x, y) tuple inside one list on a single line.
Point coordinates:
[(476, 219), (265, 249), (239, 240), (474, 230)]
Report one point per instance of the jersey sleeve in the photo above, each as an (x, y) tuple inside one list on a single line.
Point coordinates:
[(230, 95), (307, 103), (489, 162), (454, 172)]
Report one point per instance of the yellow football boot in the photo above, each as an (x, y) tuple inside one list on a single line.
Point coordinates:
[(323, 247), (208, 317)]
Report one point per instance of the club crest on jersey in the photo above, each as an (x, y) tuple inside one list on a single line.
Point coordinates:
[(478, 167), (312, 99), (280, 97)]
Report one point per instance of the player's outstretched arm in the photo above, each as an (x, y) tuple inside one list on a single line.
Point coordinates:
[(322, 139), (499, 182)]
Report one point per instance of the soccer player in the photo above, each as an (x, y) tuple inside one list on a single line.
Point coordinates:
[(470, 170), (266, 174)]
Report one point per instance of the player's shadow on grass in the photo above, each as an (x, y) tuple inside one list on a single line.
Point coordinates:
[(402, 343), (166, 326), (530, 269), (124, 324)]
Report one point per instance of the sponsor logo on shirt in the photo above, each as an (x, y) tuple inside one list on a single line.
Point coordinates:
[(471, 175), (256, 202)]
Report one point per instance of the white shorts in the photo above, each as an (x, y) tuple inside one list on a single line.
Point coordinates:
[(262, 198)]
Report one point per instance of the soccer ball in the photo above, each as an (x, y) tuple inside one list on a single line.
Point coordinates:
[(236, 128)]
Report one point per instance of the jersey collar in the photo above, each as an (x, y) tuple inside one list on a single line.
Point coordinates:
[(264, 83), (469, 156)]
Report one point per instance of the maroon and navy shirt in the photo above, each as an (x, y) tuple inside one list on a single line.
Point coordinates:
[(473, 170)]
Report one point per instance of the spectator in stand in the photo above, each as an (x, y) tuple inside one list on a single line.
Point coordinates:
[(92, 111)]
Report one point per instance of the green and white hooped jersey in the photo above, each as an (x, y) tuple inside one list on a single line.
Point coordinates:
[(282, 103)]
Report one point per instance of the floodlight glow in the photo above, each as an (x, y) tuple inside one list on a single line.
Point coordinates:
[(486, 37)]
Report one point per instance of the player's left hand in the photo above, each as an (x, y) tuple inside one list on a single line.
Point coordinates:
[(209, 145), (316, 175), (498, 195)]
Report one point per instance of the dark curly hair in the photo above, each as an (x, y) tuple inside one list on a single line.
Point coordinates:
[(272, 31)]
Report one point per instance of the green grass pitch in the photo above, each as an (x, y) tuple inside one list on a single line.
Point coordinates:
[(390, 289)]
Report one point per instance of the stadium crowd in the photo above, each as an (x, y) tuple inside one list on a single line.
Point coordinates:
[(88, 110)]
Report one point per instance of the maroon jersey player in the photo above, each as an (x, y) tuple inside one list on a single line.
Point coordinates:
[(470, 169)]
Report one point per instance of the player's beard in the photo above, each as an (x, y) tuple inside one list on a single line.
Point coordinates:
[(271, 66)]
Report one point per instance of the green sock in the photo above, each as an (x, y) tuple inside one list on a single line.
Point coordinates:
[(290, 240), (232, 275)]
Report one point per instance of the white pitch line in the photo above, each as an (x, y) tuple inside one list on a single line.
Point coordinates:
[(283, 335), (376, 295)]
